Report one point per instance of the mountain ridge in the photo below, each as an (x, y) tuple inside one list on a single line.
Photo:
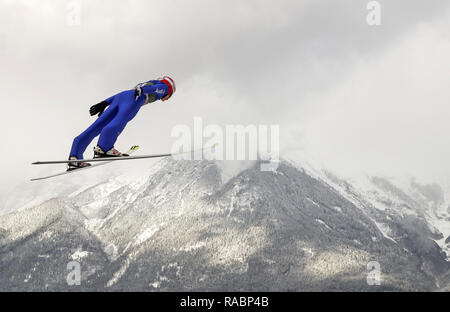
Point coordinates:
[(185, 227)]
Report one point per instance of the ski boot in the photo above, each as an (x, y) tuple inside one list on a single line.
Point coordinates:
[(100, 153), (76, 165)]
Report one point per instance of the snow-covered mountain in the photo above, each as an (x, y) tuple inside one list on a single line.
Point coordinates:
[(191, 225)]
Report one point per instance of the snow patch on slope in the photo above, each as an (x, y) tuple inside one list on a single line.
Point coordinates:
[(79, 254), (146, 235)]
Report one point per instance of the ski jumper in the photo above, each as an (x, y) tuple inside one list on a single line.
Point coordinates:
[(123, 107)]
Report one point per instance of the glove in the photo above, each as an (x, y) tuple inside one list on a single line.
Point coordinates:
[(98, 108)]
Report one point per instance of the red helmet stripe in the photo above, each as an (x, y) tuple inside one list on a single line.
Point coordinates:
[(169, 81)]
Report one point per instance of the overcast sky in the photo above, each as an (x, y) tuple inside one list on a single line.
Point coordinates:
[(355, 97)]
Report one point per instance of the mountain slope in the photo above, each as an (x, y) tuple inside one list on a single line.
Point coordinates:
[(184, 227)]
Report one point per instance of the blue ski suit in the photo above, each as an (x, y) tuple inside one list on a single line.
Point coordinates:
[(123, 107)]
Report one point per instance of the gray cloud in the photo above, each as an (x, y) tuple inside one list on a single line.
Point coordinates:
[(234, 61)]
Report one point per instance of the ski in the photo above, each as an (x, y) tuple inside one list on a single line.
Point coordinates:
[(106, 159), (119, 158), (129, 152)]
